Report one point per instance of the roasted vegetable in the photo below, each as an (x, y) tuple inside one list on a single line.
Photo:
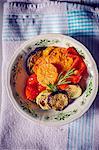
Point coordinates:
[(74, 91), (39, 62), (62, 81), (32, 80), (42, 100), (33, 87), (78, 64), (31, 58), (48, 50), (62, 86), (74, 79), (72, 50), (55, 73), (41, 88), (46, 74), (58, 100), (31, 93)]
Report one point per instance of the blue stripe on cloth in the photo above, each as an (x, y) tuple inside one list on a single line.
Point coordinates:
[(48, 18), (80, 132)]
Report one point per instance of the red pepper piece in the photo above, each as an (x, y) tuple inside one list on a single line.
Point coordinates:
[(74, 79), (76, 61), (72, 50), (63, 86), (78, 64), (82, 67)]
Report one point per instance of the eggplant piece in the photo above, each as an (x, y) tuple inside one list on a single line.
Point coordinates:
[(42, 100), (58, 100), (31, 58), (74, 91)]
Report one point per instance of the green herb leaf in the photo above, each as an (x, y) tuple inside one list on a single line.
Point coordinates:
[(62, 80), (52, 87), (60, 76)]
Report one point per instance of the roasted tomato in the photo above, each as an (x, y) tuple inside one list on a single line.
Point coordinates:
[(41, 88), (32, 80), (33, 87), (31, 93)]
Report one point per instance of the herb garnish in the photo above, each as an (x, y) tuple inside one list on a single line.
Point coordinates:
[(61, 80), (52, 87)]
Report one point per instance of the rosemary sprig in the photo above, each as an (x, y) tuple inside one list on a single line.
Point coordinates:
[(52, 87), (60, 76), (64, 82), (61, 80)]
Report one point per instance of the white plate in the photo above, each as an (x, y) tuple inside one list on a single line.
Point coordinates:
[(29, 110)]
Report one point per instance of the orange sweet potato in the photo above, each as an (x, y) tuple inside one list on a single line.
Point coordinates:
[(39, 62), (46, 74)]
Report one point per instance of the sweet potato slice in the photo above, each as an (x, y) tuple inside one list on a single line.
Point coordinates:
[(48, 50), (46, 74), (39, 62)]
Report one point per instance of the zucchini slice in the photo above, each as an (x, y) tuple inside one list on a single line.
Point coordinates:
[(42, 100), (74, 91)]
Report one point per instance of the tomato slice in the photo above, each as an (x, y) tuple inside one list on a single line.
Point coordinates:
[(32, 80), (31, 93)]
